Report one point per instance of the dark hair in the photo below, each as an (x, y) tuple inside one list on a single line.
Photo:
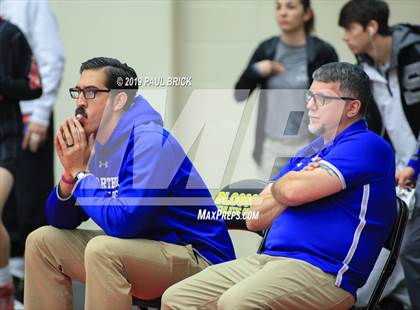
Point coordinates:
[(354, 82), (363, 11), (309, 25), (119, 75)]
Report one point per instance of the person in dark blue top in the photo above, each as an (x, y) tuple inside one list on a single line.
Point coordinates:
[(129, 175), (329, 210)]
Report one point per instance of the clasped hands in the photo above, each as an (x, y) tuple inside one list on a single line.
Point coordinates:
[(74, 147)]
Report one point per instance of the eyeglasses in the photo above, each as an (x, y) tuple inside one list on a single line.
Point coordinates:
[(319, 99), (88, 93)]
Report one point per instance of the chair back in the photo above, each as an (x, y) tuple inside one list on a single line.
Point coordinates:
[(235, 200), (393, 244)]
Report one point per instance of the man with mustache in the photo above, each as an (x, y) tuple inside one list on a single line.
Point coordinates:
[(138, 186), (329, 211)]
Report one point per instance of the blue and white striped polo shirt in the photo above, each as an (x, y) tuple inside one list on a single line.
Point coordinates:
[(342, 234)]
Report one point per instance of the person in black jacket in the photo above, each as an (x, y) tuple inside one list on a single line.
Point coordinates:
[(391, 58), (283, 62), (19, 80)]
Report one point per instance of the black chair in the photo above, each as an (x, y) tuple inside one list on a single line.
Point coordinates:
[(393, 244), (233, 198), (237, 198)]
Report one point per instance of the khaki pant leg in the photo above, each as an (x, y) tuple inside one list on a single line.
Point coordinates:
[(287, 284), (202, 291), (53, 257), (117, 268)]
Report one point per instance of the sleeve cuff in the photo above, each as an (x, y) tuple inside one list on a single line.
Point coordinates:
[(73, 192), (415, 164), (254, 71), (76, 185), (59, 197), (336, 171)]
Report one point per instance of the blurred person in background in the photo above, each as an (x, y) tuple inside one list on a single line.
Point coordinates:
[(19, 80), (391, 58), (34, 176), (285, 61)]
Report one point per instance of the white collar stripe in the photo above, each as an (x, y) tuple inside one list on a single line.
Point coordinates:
[(337, 172)]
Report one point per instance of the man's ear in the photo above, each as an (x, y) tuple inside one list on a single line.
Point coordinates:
[(120, 101), (354, 109), (372, 27)]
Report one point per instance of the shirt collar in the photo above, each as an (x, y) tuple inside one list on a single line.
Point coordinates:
[(360, 125), (318, 144)]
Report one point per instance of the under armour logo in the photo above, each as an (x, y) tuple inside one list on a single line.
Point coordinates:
[(103, 164), (316, 158)]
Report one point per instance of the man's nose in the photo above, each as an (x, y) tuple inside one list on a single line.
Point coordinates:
[(81, 101), (310, 105)]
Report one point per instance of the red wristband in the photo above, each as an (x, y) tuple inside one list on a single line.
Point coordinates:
[(67, 181)]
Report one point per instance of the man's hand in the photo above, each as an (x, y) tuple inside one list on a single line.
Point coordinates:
[(268, 68), (73, 148), (34, 137), (312, 166), (268, 210), (405, 176), (299, 187)]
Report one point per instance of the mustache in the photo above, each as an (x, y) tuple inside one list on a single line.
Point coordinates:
[(81, 111)]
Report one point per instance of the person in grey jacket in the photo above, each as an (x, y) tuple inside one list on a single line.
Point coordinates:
[(391, 58)]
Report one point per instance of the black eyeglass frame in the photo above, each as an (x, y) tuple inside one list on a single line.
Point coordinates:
[(75, 90), (310, 95)]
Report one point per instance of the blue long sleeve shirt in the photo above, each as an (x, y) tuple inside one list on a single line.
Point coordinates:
[(143, 185)]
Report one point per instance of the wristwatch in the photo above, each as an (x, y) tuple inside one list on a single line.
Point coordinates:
[(80, 175)]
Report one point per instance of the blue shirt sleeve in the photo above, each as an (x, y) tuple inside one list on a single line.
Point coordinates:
[(146, 176), (63, 213), (415, 162), (359, 159)]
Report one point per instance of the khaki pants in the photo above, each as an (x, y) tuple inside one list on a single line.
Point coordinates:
[(113, 269), (258, 282)]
